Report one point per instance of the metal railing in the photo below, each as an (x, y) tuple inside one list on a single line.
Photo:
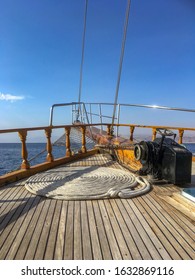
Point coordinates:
[(95, 112)]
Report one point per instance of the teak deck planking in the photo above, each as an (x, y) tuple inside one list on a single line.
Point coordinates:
[(158, 225)]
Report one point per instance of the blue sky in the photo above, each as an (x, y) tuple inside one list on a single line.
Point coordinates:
[(40, 54)]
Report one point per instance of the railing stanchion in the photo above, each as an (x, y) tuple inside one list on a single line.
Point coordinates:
[(109, 129), (83, 148), (49, 145), (154, 134), (181, 132), (25, 164), (132, 128), (68, 150)]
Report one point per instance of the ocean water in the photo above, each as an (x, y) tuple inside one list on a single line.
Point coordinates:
[(10, 154)]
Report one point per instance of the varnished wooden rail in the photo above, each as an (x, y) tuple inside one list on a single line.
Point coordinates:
[(180, 130), (23, 133), (27, 170)]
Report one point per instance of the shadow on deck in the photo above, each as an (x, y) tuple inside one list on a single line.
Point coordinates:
[(158, 225)]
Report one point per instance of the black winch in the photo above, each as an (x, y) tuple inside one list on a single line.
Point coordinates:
[(164, 158)]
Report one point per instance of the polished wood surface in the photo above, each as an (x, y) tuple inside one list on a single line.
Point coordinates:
[(158, 225)]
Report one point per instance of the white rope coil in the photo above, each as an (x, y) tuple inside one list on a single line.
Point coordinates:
[(86, 183)]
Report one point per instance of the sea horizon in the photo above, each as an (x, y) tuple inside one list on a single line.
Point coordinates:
[(10, 154)]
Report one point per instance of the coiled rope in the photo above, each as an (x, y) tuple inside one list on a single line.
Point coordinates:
[(87, 183)]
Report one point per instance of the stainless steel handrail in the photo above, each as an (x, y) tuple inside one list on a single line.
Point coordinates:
[(146, 106), (60, 105), (89, 113)]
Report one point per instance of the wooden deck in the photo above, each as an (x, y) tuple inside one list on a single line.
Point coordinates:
[(158, 225)]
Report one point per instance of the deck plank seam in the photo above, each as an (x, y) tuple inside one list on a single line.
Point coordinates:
[(127, 225), (133, 230), (69, 232), (52, 237), (61, 231), (176, 226), (36, 254), (111, 221), (97, 237), (37, 237), (65, 227), (6, 225), (121, 231), (154, 253), (98, 234), (77, 227), (147, 212), (49, 231), (148, 229), (19, 221), (6, 193), (116, 254), (90, 236), (139, 228), (82, 237), (119, 225), (11, 202), (23, 229), (86, 229), (169, 227), (104, 230), (172, 240), (129, 233), (49, 228), (179, 219), (163, 227), (58, 228)]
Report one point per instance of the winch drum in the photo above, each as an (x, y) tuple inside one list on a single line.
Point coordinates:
[(165, 159)]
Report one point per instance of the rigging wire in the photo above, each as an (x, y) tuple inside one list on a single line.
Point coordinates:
[(121, 59), (82, 57)]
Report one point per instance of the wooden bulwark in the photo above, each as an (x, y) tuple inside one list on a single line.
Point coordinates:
[(147, 227), (101, 137)]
